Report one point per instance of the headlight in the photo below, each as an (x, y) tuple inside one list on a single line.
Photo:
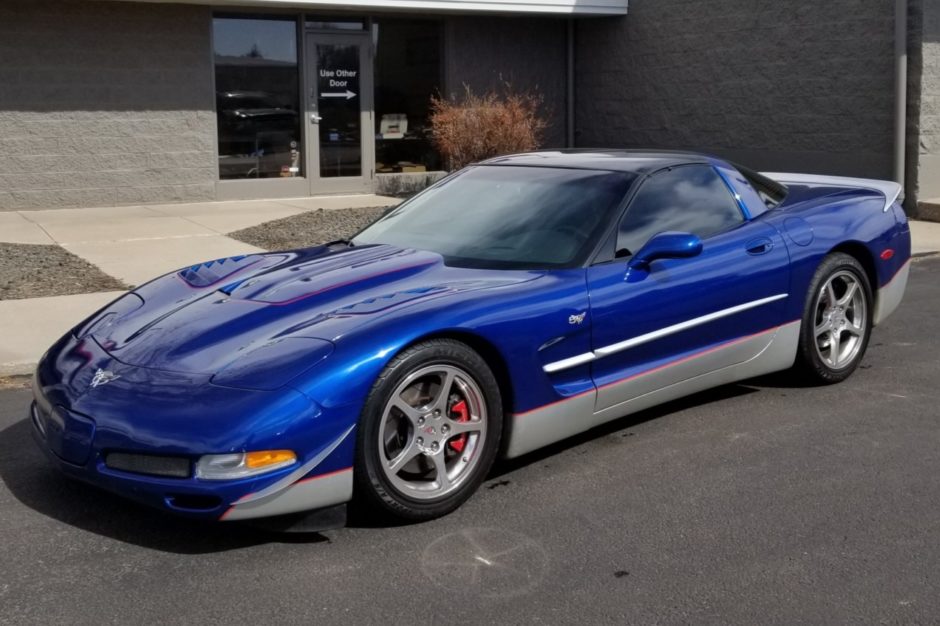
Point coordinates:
[(273, 364), (103, 319), (243, 464)]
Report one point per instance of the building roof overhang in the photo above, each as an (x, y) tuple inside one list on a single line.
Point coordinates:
[(573, 8)]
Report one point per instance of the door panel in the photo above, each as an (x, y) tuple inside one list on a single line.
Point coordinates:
[(339, 111), (684, 317)]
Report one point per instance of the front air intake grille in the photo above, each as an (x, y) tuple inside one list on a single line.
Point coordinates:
[(150, 464)]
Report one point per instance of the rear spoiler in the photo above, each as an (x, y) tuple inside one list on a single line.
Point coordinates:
[(890, 190)]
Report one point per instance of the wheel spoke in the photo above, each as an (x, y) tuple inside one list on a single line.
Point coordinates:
[(459, 428), (447, 383), (407, 410), (831, 294), (853, 329), (823, 328), (442, 479), (403, 458), (835, 346), (848, 295)]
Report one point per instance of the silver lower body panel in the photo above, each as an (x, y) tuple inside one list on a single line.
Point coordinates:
[(775, 351), (889, 296), (305, 495)]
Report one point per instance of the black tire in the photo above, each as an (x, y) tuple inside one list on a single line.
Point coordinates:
[(811, 364), (374, 490)]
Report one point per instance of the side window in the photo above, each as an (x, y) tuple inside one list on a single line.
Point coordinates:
[(689, 198)]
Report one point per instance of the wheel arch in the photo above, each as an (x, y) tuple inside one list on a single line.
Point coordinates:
[(863, 255)]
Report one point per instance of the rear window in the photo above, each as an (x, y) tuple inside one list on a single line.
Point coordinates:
[(770, 191)]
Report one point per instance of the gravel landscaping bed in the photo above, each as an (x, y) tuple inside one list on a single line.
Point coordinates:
[(308, 229), (35, 271), (15, 382)]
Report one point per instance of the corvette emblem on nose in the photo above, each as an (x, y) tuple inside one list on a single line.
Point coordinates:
[(103, 377)]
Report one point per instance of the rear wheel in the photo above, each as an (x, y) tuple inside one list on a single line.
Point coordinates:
[(836, 320), (430, 430)]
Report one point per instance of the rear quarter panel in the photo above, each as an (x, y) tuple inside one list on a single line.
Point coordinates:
[(850, 221)]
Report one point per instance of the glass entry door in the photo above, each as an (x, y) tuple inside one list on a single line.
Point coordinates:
[(340, 134)]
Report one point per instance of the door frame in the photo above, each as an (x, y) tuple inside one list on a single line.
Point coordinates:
[(319, 185)]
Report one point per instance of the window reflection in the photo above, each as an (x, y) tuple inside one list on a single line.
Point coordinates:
[(407, 74), (257, 97), (690, 198), (335, 24)]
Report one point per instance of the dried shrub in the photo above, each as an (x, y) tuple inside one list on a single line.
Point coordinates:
[(477, 127)]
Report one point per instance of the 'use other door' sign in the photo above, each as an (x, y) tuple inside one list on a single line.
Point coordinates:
[(338, 83)]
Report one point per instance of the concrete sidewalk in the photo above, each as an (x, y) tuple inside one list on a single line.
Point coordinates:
[(132, 244), (925, 238), (135, 244)]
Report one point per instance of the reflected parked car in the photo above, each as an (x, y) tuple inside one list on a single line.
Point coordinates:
[(255, 134)]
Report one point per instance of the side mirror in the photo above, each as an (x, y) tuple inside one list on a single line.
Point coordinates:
[(668, 245)]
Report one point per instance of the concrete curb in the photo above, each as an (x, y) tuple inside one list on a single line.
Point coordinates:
[(929, 210), (925, 237)]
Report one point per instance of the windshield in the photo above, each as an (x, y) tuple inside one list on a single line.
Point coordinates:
[(506, 216)]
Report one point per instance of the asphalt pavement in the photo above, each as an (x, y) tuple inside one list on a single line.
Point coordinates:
[(761, 502)]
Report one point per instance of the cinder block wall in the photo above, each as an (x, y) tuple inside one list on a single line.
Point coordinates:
[(804, 86), (529, 53), (104, 103), (924, 155)]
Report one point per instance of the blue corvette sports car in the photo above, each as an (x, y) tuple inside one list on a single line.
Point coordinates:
[(513, 304)]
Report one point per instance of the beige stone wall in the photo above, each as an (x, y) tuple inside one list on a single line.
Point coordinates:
[(104, 103)]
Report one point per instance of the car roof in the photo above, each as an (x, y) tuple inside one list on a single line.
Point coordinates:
[(635, 161)]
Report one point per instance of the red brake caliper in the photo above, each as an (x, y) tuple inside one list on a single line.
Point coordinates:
[(460, 413)]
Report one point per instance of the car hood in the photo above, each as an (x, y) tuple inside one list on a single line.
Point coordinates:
[(202, 318)]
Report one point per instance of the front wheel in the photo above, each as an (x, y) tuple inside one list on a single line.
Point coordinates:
[(836, 320), (429, 431)]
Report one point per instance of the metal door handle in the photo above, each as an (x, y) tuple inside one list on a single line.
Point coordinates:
[(316, 119)]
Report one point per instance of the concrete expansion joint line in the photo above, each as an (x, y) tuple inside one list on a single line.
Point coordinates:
[(93, 241), (40, 226), (191, 221), (43, 229)]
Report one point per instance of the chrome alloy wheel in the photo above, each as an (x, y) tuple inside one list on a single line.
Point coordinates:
[(432, 432), (841, 318)]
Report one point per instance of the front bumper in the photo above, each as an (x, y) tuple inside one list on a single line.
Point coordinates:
[(146, 412), (180, 496), (190, 497)]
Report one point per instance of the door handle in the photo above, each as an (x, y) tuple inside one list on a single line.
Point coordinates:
[(316, 119), (759, 246)]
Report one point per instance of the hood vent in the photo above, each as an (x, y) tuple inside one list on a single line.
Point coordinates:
[(211, 272)]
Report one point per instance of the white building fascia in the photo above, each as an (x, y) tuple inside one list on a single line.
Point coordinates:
[(519, 7)]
